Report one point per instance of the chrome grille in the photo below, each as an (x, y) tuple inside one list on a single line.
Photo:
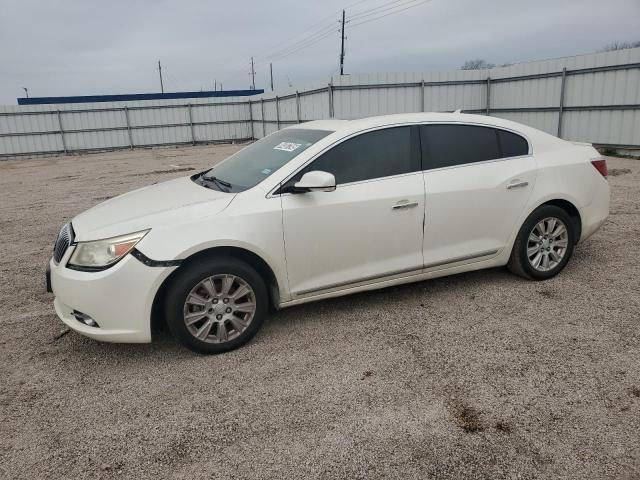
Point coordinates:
[(65, 238)]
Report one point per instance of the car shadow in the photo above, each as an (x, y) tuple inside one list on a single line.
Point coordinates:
[(163, 345), (417, 292)]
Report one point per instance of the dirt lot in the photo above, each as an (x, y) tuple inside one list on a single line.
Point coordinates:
[(480, 375)]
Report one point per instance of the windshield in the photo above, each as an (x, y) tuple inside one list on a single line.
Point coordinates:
[(254, 163)]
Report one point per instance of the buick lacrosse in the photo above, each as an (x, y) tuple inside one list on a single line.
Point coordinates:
[(322, 209)]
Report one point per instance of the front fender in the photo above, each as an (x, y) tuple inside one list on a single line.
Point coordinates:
[(255, 226)]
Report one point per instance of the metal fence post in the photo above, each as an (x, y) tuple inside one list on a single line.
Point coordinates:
[(126, 117), (330, 93), (251, 120), (264, 131), (561, 107), (193, 137), (64, 143), (298, 106), (422, 95), (488, 95), (277, 113)]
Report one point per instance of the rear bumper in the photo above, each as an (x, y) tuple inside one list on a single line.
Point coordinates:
[(595, 214), (119, 299)]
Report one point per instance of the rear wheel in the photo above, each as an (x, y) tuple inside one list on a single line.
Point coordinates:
[(544, 244), (217, 305)]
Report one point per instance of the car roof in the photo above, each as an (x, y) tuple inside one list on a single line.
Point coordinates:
[(347, 127)]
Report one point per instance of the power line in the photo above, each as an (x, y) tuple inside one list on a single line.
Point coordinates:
[(324, 32), (306, 45), (282, 49), (372, 11), (390, 13), (321, 30), (317, 35), (301, 37), (286, 51)]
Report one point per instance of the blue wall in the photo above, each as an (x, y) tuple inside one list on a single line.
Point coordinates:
[(136, 96)]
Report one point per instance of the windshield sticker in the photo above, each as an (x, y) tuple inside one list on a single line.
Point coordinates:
[(287, 146), (266, 171)]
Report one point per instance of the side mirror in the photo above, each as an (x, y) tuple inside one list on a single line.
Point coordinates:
[(316, 181)]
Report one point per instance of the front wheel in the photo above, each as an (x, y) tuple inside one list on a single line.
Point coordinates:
[(216, 305), (544, 244)]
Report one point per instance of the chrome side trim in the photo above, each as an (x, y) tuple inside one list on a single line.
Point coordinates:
[(361, 280), (389, 276), (461, 259)]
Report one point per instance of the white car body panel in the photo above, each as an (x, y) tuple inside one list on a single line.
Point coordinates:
[(356, 232), (457, 227), (167, 202), (325, 244), (116, 298)]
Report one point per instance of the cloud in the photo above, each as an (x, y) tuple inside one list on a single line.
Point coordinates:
[(88, 47)]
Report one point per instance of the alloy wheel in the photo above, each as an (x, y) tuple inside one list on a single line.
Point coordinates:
[(547, 244), (219, 308)]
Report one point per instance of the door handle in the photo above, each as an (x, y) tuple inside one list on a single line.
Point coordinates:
[(517, 185), (404, 204)]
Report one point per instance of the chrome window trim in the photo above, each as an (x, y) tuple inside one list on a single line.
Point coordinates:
[(476, 163), (272, 194)]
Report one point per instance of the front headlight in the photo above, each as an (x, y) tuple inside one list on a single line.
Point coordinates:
[(100, 254)]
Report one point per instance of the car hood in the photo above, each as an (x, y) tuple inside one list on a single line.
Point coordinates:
[(174, 201)]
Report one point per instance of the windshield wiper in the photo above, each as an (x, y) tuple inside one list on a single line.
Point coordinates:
[(220, 184)]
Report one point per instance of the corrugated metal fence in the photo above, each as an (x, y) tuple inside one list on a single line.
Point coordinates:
[(593, 98)]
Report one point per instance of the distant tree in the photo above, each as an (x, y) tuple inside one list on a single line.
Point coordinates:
[(477, 64), (620, 46)]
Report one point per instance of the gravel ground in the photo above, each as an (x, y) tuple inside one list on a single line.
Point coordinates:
[(479, 375)]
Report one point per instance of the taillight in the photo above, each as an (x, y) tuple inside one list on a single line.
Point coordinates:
[(600, 164)]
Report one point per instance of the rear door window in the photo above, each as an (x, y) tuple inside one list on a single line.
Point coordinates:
[(451, 145)]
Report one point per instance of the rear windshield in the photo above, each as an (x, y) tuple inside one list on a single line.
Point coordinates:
[(254, 163)]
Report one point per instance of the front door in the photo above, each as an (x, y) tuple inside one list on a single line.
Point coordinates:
[(370, 227)]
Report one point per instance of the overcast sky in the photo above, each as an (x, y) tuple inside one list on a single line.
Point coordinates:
[(85, 47)]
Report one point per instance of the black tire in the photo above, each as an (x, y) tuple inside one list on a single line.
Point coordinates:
[(191, 276), (519, 262)]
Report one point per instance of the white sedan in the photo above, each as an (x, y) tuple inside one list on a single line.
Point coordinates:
[(322, 209)]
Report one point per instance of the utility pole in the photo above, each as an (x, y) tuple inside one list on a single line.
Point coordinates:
[(271, 71), (26, 91), (342, 47), (215, 85), (160, 73), (253, 76)]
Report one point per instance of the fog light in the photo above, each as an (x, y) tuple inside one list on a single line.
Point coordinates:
[(86, 319)]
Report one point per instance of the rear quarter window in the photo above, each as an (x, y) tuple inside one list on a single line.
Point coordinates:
[(512, 145)]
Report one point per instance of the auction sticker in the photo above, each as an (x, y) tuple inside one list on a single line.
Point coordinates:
[(287, 146)]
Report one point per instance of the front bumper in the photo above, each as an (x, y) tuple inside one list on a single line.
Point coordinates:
[(119, 299)]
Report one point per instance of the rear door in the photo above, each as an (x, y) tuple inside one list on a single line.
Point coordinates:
[(477, 181)]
